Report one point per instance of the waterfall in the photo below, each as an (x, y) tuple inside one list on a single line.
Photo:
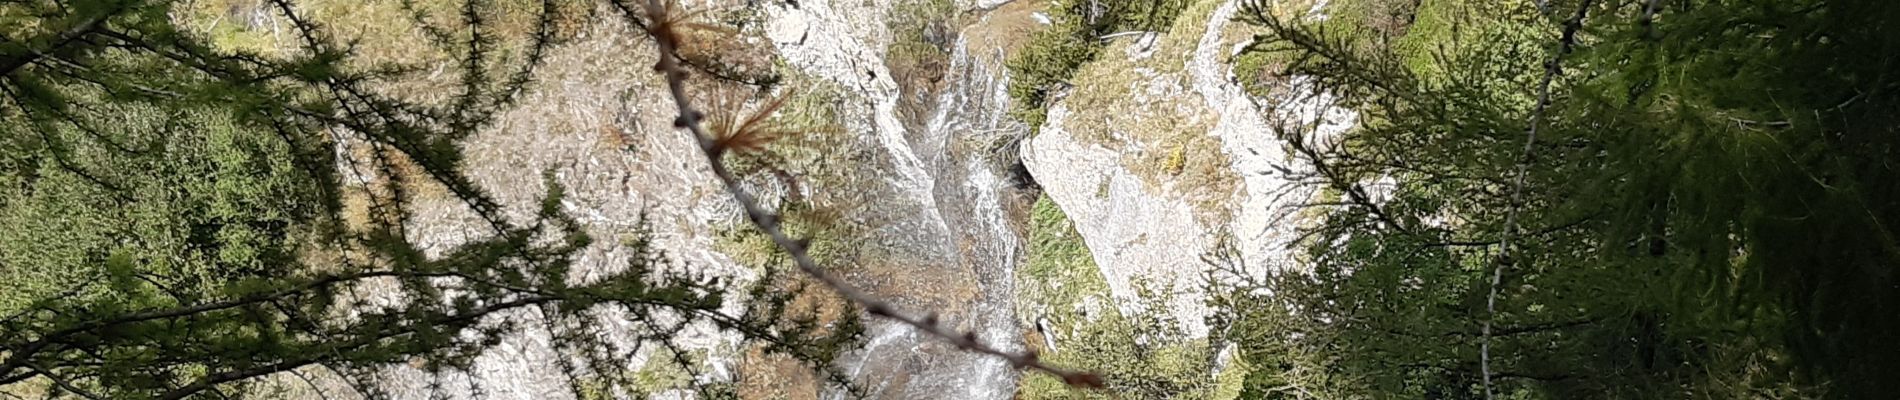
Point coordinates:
[(952, 194)]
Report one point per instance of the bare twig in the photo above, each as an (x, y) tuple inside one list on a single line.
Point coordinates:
[(662, 27), (1356, 194), (64, 383), (313, 384), (1552, 68), (767, 80), (1486, 243), (1123, 33), (1649, 18), (9, 63), (317, 357)]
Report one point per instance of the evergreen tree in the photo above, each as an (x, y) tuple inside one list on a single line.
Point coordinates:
[(1705, 209), (178, 227)]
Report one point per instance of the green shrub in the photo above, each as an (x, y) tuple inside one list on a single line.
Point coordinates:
[(1059, 274), (922, 30), (1138, 356), (193, 201), (1053, 55)]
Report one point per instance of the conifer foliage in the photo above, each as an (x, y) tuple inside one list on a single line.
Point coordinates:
[(1706, 206), (179, 226)]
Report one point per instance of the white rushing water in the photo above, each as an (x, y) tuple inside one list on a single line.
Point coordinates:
[(953, 201), (947, 202)]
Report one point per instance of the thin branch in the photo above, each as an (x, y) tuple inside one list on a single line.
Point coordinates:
[(57, 149), (353, 383), (666, 38), (1532, 376), (1477, 243), (1123, 33), (64, 383), (13, 62), (1355, 193), (1552, 68), (1649, 17), (764, 81), (313, 357), (22, 355)]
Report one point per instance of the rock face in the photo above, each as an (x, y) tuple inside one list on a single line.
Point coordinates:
[(947, 205), (943, 203), (559, 127), (1155, 231), (1135, 232), (946, 209)]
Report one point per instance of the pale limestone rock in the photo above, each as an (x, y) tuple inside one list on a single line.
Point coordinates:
[(1141, 233)]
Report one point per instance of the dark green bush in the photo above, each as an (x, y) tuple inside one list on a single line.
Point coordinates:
[(1053, 55)]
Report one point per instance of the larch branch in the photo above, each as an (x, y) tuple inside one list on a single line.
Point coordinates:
[(1552, 68), (662, 29)]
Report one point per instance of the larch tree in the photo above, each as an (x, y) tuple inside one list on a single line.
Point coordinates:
[(1703, 195), (179, 226)]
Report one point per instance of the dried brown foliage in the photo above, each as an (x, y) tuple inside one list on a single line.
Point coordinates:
[(750, 133)]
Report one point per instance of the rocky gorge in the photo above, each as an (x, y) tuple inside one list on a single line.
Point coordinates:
[(1154, 153)]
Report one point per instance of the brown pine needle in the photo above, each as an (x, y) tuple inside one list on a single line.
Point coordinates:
[(753, 133), (673, 19)]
